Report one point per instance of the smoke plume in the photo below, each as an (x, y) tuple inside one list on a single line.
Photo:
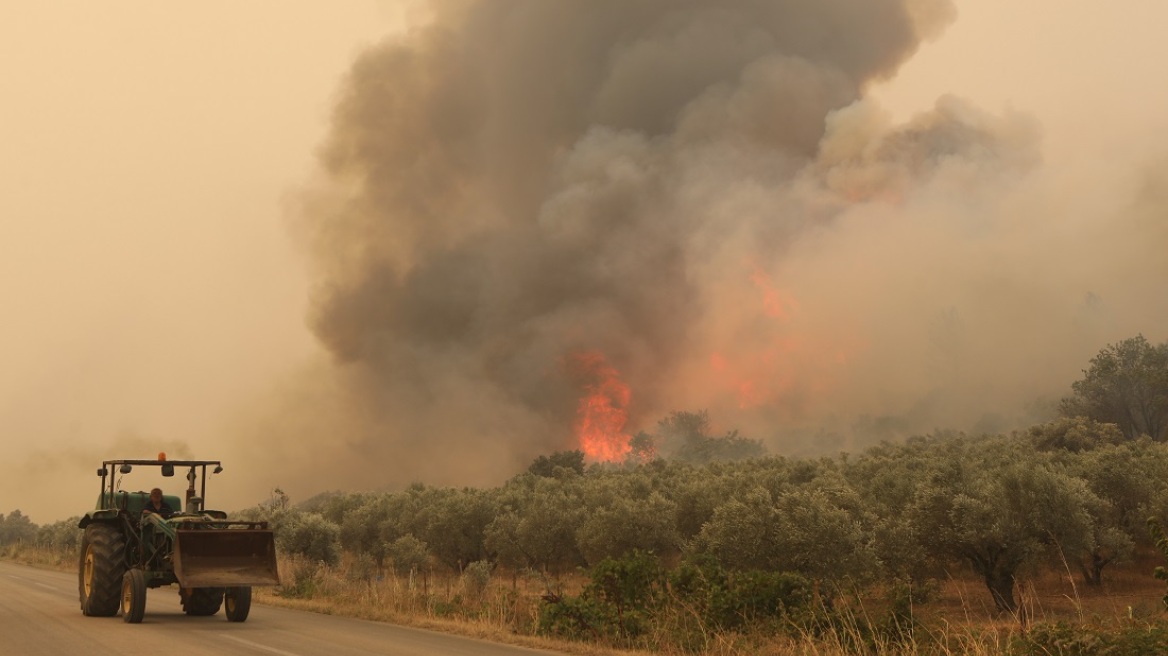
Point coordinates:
[(700, 195)]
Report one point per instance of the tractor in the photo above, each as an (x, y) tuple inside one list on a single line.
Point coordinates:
[(126, 549)]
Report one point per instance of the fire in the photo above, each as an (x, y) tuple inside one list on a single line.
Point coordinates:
[(602, 412), (762, 377), (776, 303), (787, 366)]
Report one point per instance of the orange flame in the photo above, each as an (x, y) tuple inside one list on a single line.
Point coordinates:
[(784, 369), (760, 378), (776, 303), (602, 412)]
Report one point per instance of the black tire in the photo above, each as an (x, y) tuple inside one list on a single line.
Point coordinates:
[(81, 560), (100, 570), (201, 601), (133, 596), (237, 603)]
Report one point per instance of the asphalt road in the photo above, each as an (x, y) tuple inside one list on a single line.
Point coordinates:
[(40, 614)]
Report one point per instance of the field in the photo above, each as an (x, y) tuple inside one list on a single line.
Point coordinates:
[(959, 617), (1125, 615)]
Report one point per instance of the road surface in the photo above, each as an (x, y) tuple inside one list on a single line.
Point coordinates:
[(40, 615)]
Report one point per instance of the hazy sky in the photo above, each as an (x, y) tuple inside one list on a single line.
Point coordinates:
[(151, 289), (148, 283)]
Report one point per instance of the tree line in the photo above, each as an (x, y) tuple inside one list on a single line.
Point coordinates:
[(894, 512), (1076, 490)]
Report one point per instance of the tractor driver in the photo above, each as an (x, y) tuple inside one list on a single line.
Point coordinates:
[(157, 504)]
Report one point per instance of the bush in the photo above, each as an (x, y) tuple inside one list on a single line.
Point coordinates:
[(61, 536), (17, 528), (627, 590), (305, 579), (312, 536), (730, 600), (617, 602), (1066, 640), (408, 554), (475, 578), (576, 618), (767, 595), (558, 464)]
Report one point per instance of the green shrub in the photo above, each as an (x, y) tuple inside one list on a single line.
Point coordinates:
[(310, 535), (1063, 639), (617, 602), (1157, 533), (475, 578), (575, 618), (728, 600), (408, 554)]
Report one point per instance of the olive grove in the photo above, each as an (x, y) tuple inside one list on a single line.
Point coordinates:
[(733, 533)]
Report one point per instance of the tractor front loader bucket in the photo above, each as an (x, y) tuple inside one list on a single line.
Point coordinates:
[(225, 557)]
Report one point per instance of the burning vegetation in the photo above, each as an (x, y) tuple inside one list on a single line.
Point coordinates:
[(603, 410)]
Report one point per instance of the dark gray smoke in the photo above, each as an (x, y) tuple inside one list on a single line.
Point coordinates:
[(696, 190)]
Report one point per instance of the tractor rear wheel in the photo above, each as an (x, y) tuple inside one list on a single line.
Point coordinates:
[(201, 601), (133, 596), (237, 603), (100, 569)]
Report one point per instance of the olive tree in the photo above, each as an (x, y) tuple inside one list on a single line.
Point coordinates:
[(697, 497), (685, 436), (309, 535), (62, 535), (560, 460), (16, 528), (1074, 434), (363, 527), (408, 554), (1130, 480), (537, 527), (803, 530), (889, 477), (453, 526), (999, 506), (1127, 385), (629, 525)]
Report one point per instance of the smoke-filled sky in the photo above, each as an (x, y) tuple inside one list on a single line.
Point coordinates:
[(353, 247)]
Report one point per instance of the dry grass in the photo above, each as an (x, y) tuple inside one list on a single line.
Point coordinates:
[(958, 619), (43, 558), (506, 612)]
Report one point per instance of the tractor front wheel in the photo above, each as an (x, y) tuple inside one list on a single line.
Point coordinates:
[(100, 569), (201, 601), (133, 596), (237, 603)]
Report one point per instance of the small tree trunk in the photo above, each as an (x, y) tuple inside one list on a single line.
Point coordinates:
[(1087, 570), (997, 569), (1001, 587), (1093, 570)]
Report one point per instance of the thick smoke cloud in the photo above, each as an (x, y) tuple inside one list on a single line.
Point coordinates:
[(698, 191)]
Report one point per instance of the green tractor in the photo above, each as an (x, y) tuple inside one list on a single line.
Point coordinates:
[(126, 548)]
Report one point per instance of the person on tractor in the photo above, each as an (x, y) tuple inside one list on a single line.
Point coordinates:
[(157, 504)]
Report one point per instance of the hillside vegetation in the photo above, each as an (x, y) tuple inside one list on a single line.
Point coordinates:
[(1036, 541)]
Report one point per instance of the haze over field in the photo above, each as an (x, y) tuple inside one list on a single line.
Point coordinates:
[(537, 226)]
